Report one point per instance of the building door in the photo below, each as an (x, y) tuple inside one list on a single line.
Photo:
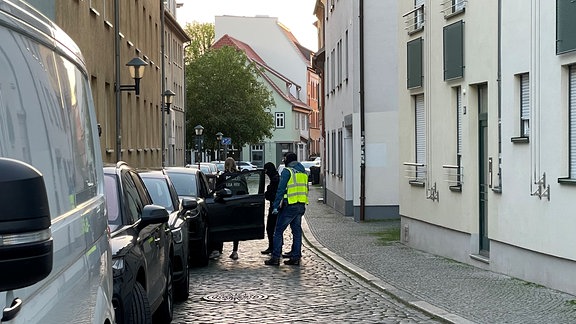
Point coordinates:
[(483, 169)]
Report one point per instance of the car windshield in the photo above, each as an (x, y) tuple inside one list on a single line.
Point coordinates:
[(185, 184), (308, 164), (112, 202), (158, 189)]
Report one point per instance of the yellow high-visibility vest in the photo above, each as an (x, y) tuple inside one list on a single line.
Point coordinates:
[(297, 187)]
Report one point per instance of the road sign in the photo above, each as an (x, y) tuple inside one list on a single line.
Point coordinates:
[(226, 140)]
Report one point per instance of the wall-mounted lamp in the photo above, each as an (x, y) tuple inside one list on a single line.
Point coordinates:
[(136, 68), (168, 97)]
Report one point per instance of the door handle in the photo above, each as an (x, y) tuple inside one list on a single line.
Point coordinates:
[(11, 312)]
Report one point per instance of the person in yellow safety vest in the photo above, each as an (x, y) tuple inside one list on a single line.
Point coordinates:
[(290, 205)]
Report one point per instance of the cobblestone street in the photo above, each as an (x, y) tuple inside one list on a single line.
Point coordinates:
[(247, 291)]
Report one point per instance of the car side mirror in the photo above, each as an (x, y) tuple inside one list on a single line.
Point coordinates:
[(223, 193), (26, 248), (188, 204), (153, 214)]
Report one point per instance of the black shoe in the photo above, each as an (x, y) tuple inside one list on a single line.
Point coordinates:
[(272, 261), (267, 251), (295, 262), (287, 255)]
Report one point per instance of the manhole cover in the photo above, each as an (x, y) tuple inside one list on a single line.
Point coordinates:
[(233, 297)]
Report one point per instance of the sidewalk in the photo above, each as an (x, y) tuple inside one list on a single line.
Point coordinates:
[(455, 292)]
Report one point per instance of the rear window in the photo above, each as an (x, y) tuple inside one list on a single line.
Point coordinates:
[(185, 184)]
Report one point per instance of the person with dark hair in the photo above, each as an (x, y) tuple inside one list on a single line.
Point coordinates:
[(230, 170), (290, 205), (270, 195)]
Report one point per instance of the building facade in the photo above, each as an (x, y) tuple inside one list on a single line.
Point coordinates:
[(361, 108), (130, 122), (487, 99)]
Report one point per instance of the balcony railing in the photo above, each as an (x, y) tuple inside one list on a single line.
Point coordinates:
[(414, 19), (415, 172), (453, 7)]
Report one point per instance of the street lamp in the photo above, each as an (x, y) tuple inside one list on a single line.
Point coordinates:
[(199, 142), (219, 138), (168, 96), (136, 68)]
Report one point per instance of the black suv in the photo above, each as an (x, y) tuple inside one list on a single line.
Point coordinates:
[(142, 248), (163, 193)]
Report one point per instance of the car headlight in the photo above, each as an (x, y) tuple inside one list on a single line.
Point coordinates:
[(177, 235), (118, 264)]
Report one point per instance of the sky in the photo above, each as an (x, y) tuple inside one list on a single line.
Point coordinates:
[(297, 15)]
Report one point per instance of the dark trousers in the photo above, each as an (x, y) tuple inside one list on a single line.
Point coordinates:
[(270, 226)]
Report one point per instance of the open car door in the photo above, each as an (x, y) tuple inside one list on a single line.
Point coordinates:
[(236, 209)]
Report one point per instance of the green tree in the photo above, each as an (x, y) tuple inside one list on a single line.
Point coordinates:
[(225, 95), (202, 36)]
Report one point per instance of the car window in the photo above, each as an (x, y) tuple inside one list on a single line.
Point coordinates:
[(132, 199), (158, 189), (185, 183), (112, 201), (245, 183)]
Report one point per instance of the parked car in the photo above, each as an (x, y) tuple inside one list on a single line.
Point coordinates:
[(219, 166), (221, 215), (245, 166), (141, 248), (164, 194), (209, 169), (55, 262), (308, 164)]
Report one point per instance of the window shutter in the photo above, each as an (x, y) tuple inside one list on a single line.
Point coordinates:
[(420, 134), (414, 68), (454, 51), (572, 104), (565, 26), (525, 105)]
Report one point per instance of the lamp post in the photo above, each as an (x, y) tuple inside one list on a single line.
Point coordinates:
[(199, 142), (219, 138), (168, 96)]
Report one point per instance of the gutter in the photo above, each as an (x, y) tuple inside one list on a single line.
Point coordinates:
[(362, 122)]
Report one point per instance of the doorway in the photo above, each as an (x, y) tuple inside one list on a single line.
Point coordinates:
[(484, 169)]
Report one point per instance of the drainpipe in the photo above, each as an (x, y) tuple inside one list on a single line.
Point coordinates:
[(162, 104), (362, 124), (500, 95), (117, 83)]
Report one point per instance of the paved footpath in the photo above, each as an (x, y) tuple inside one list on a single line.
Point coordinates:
[(456, 292)]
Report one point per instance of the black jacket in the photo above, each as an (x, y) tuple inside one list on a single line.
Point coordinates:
[(272, 187)]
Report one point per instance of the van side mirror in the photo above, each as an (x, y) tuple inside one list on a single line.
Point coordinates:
[(26, 247)]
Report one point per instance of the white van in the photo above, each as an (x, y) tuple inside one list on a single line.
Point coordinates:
[(55, 258)]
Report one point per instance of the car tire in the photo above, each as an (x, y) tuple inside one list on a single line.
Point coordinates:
[(165, 312), (182, 287), (201, 255), (139, 309)]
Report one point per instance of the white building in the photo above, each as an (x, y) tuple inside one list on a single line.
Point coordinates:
[(278, 47), (361, 108), (488, 99)]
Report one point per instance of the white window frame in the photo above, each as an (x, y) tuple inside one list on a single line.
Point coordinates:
[(572, 120), (420, 136), (524, 80), (280, 120)]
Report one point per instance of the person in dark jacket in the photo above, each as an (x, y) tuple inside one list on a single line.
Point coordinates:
[(270, 195), (239, 188)]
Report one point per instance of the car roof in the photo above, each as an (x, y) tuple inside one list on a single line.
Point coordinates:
[(181, 170), (149, 173)]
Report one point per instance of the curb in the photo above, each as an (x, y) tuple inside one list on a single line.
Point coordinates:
[(400, 295)]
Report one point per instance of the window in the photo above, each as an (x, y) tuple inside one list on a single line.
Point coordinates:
[(339, 173), (565, 26), (420, 136), (414, 19), (459, 114), (453, 7), (333, 162), (454, 51), (339, 63), (524, 105), (414, 69), (279, 117), (572, 118), (346, 45)]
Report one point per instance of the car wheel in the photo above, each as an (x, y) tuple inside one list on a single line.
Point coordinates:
[(182, 287), (139, 309), (164, 313), (201, 256)]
